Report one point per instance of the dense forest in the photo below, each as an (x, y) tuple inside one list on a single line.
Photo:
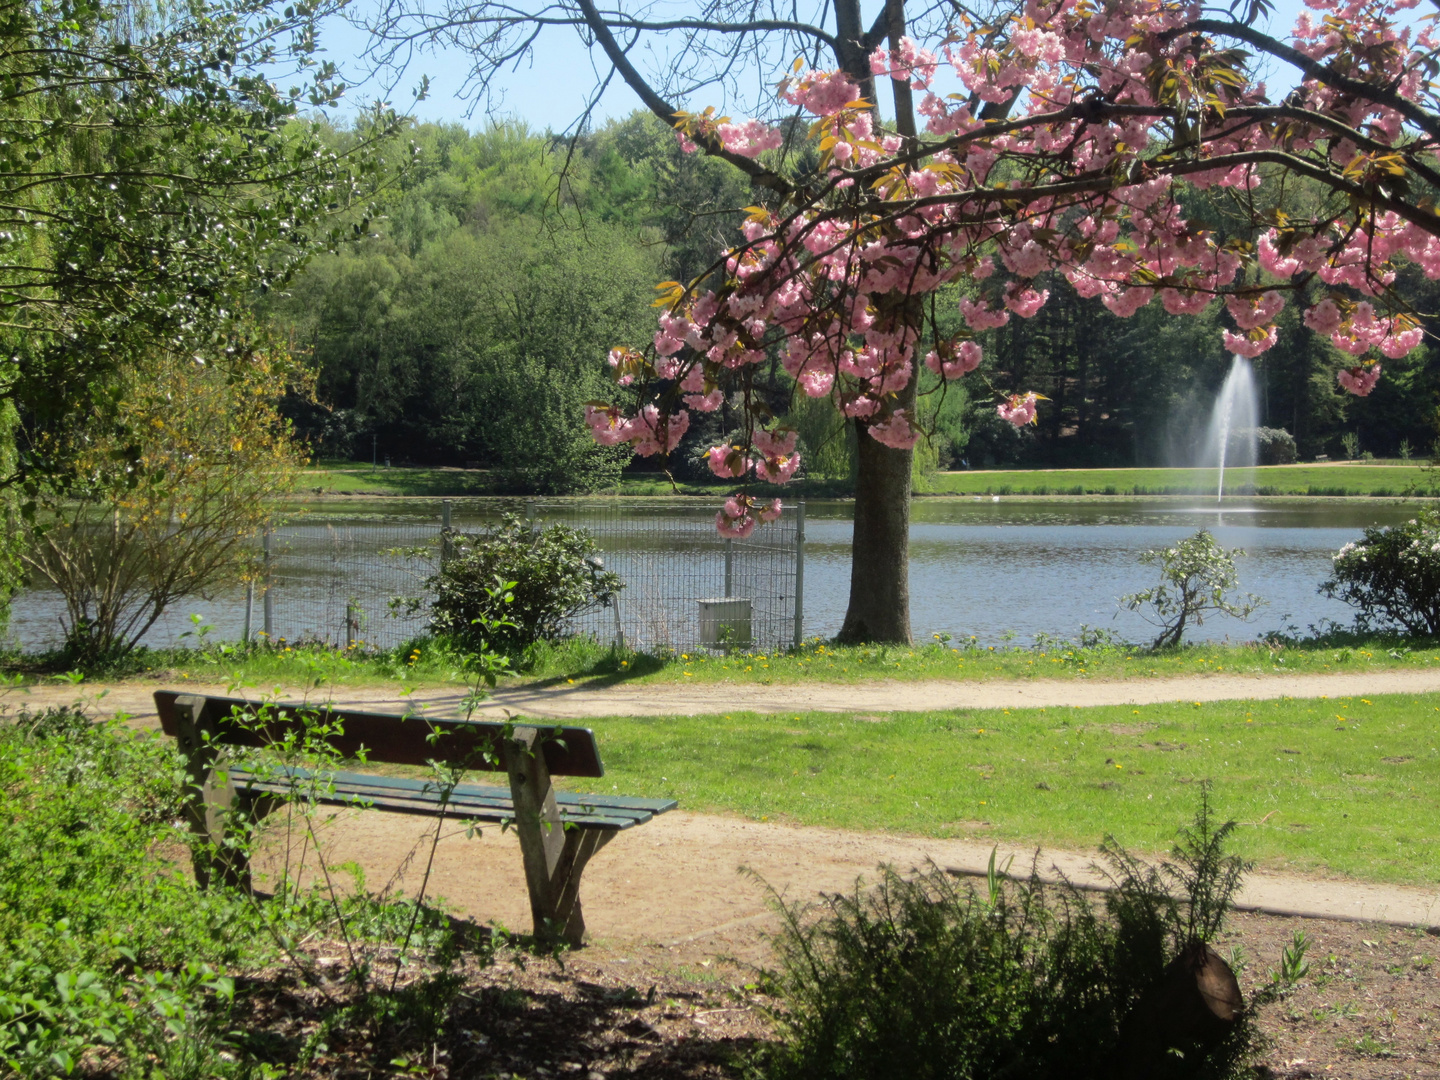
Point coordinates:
[(471, 326)]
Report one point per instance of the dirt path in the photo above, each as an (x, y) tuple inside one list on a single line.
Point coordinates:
[(677, 878), (682, 877), (670, 699)]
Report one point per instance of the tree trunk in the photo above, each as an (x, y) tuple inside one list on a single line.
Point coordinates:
[(880, 549), (880, 552)]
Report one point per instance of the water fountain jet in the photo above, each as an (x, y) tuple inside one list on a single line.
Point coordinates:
[(1230, 438)]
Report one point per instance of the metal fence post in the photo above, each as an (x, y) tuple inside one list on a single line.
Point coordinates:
[(729, 566), (445, 549), (249, 609), (800, 573), (269, 594)]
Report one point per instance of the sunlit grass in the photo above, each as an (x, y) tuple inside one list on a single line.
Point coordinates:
[(584, 662), (1391, 479), (1387, 478), (823, 662), (1349, 785)]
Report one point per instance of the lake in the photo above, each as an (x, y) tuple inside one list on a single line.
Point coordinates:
[(993, 569)]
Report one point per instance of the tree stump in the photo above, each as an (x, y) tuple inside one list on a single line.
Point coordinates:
[(1193, 1007)]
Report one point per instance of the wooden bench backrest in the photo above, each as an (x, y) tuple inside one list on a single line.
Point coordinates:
[(389, 738)]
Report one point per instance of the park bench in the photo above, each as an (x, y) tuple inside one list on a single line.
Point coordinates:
[(559, 832)]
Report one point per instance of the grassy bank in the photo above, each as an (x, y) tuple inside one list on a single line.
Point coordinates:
[(1348, 786), (584, 663), (1390, 478), (1375, 479)]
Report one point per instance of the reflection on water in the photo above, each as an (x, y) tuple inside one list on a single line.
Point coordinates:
[(977, 566)]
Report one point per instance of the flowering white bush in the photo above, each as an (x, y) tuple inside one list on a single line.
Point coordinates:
[(1392, 575), (1197, 577)]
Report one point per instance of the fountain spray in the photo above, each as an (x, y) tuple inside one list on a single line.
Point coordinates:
[(1235, 411)]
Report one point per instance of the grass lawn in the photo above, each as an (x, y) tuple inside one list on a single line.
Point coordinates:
[(1348, 786), (353, 478), (820, 662), (1390, 478), (1387, 478), (584, 663)]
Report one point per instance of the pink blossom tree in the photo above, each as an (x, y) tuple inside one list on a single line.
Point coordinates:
[(1043, 142)]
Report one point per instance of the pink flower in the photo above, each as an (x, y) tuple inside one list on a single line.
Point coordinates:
[(1251, 311), (735, 518), (727, 462), (737, 528), (778, 470), (967, 356), (653, 433), (624, 361), (771, 512), (607, 426), (749, 138), (1019, 409), (897, 432), (1359, 380), (775, 443), (822, 93), (705, 402), (981, 316), (1126, 302), (861, 406), (1324, 317), (1025, 302), (1250, 344)]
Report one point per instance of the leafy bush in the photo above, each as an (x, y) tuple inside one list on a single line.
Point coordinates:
[(113, 963), (1274, 446), (552, 574), (108, 946), (1392, 575), (1196, 579), (929, 979)]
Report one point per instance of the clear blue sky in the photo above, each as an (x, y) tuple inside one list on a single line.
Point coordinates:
[(549, 91)]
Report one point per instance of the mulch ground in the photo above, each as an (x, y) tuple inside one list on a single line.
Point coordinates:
[(1368, 1009)]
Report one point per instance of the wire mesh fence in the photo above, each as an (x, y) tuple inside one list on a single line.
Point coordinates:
[(344, 583), (347, 582), (674, 566)]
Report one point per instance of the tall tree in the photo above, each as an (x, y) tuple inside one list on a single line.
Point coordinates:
[(153, 179), (1073, 133)]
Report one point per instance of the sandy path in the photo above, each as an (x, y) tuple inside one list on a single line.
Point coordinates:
[(679, 878), (669, 699)]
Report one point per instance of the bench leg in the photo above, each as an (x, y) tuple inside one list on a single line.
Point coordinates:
[(210, 802), (554, 856)]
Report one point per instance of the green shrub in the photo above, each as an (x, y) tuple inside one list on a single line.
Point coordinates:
[(1274, 446), (1392, 576), (108, 946), (929, 979), (1197, 577), (552, 574)]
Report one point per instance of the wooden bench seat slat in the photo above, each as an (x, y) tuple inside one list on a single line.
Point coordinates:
[(458, 811), (405, 787), (485, 804)]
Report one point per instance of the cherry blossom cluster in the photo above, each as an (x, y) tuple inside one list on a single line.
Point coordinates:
[(1103, 112)]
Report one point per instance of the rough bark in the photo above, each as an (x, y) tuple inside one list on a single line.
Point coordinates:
[(880, 554), (879, 608)]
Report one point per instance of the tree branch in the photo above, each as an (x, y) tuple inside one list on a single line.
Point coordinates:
[(664, 110)]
